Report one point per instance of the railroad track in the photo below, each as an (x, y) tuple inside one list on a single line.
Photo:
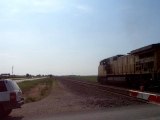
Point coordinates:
[(146, 97), (105, 88)]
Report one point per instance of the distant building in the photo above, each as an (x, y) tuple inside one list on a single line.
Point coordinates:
[(5, 75)]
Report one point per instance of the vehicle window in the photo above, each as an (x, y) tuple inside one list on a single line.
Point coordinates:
[(14, 85), (2, 87)]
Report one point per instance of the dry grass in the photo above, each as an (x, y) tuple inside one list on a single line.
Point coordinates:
[(36, 90)]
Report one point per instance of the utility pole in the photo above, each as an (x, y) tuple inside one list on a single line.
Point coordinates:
[(12, 70)]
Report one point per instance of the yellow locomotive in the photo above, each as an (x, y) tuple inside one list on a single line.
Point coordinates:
[(141, 67)]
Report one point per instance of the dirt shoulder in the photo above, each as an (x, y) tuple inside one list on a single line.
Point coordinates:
[(59, 101)]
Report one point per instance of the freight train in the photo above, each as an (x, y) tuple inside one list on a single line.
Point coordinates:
[(139, 68)]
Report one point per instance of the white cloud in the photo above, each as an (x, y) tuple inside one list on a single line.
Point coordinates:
[(47, 6), (81, 9), (84, 8), (12, 8)]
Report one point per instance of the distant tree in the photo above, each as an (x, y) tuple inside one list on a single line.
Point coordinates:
[(50, 76), (39, 75), (28, 75)]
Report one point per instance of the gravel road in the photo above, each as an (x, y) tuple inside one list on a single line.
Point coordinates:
[(67, 97)]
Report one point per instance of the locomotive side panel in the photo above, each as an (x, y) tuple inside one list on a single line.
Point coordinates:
[(120, 67), (115, 64), (131, 64), (125, 64), (145, 63), (137, 65), (112, 71)]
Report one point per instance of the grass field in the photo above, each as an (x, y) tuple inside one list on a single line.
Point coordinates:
[(36, 90), (18, 78), (87, 78)]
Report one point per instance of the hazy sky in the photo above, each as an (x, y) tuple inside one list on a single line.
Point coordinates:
[(71, 36)]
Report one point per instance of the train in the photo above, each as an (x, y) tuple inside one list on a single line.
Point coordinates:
[(139, 68)]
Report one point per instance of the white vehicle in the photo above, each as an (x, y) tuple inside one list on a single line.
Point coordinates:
[(10, 97)]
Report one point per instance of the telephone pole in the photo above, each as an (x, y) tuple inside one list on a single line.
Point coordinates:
[(12, 69)]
